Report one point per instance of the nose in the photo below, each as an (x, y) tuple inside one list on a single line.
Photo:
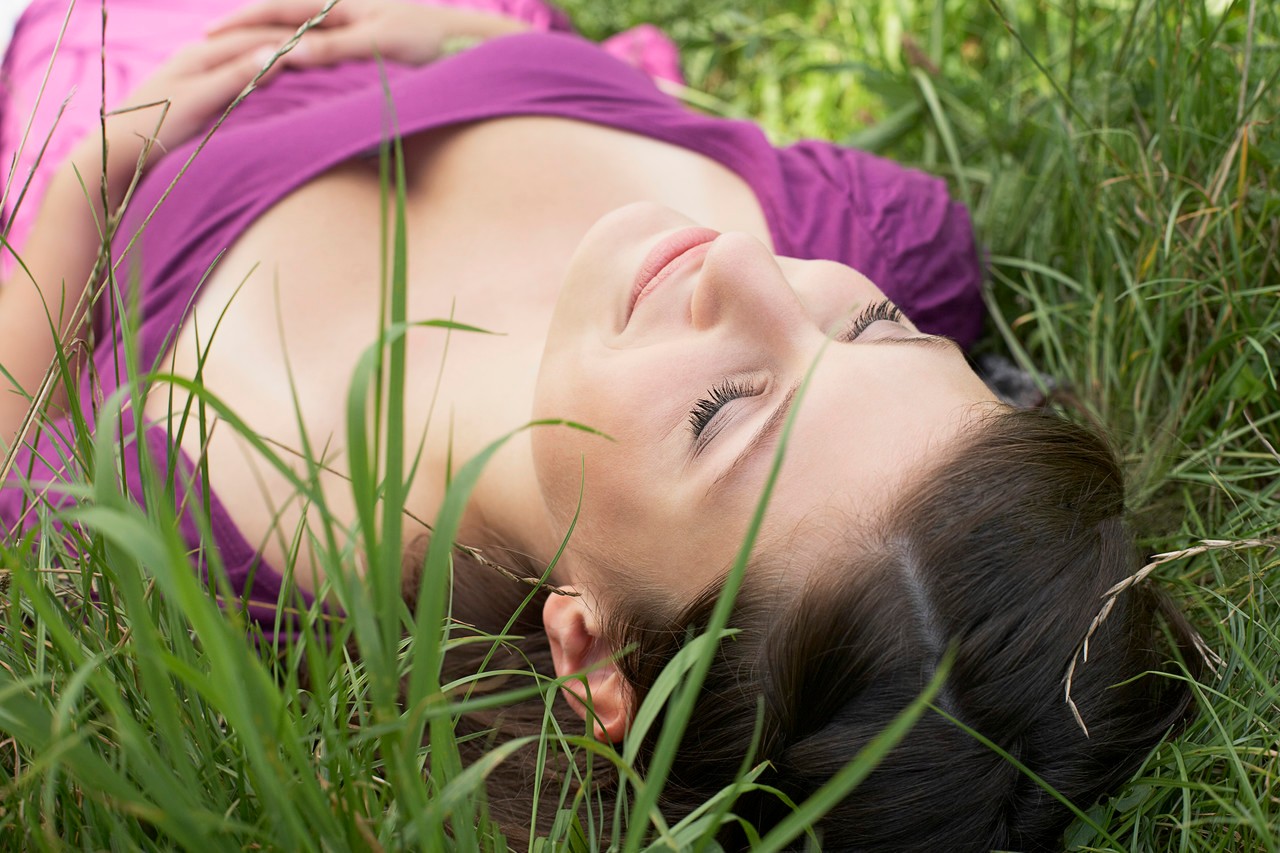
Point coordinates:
[(741, 284)]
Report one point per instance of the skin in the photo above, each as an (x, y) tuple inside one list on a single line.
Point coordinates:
[(877, 411), (669, 509), (293, 315), (46, 294)]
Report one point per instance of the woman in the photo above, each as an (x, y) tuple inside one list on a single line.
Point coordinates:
[(668, 280)]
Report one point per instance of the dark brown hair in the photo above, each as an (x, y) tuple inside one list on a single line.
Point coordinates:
[(1002, 555)]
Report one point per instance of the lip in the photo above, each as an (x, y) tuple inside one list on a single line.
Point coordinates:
[(670, 254)]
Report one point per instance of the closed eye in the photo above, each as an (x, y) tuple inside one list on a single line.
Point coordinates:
[(882, 310), (703, 418), (704, 415)]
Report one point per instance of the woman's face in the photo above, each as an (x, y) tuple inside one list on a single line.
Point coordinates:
[(686, 347)]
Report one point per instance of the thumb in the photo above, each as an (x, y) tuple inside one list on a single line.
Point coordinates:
[(219, 87)]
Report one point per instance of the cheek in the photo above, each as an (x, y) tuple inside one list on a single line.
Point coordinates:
[(559, 451), (831, 293), (596, 481), (619, 395), (571, 387)]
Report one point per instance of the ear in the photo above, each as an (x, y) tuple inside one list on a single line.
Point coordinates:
[(573, 630)]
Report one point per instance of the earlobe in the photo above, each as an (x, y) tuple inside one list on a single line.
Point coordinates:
[(573, 630)]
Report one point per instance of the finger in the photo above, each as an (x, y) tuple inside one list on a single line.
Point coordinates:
[(212, 52), (193, 106), (228, 80), (332, 47), (291, 13)]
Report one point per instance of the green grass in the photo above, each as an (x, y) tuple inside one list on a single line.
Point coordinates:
[(1123, 163)]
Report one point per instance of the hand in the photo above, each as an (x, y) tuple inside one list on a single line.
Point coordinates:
[(181, 96), (363, 29)]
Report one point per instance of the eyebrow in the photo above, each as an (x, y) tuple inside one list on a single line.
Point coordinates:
[(773, 425), (932, 341)]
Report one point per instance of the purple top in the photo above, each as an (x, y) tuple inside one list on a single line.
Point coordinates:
[(897, 226)]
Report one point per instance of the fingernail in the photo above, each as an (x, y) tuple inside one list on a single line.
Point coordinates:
[(263, 56)]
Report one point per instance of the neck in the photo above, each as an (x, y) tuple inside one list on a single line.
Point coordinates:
[(484, 394)]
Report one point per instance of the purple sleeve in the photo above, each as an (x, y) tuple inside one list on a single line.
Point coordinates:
[(37, 479), (45, 472), (897, 226), (41, 121)]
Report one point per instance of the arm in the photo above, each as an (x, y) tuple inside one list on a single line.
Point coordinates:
[(198, 82), (407, 32), (40, 307)]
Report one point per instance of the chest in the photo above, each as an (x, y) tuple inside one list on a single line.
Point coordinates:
[(493, 211)]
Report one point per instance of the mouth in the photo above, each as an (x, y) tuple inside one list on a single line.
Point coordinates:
[(671, 254)]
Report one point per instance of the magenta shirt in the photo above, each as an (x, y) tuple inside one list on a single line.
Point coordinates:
[(898, 226)]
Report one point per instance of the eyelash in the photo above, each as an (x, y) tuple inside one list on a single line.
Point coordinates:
[(721, 395), (882, 310), (717, 398)]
